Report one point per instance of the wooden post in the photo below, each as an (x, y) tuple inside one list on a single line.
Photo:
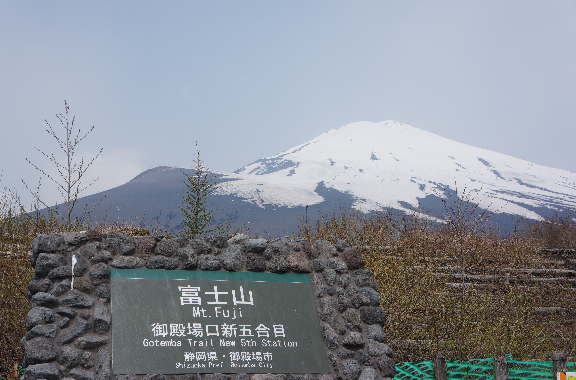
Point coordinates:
[(440, 369), (559, 362), (501, 367)]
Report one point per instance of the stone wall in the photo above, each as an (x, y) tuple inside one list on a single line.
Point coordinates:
[(69, 324)]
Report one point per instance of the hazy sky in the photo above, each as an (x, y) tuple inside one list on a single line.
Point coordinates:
[(249, 79)]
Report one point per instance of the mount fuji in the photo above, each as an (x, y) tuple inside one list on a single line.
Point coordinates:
[(367, 166)]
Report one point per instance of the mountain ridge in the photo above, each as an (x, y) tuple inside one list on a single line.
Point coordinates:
[(365, 165)]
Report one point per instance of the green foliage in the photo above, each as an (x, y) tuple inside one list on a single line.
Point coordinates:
[(197, 216)]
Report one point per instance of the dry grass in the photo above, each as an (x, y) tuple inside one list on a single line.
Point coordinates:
[(413, 259)]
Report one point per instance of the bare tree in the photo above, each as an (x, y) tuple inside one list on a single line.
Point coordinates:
[(70, 173)]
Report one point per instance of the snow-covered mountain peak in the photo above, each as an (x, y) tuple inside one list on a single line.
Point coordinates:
[(390, 164)]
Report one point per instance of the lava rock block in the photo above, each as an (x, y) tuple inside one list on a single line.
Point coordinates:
[(39, 316), (99, 273), (161, 262), (166, 247), (39, 350), (44, 299), (232, 259), (77, 299), (79, 328), (209, 262), (351, 369), (376, 333), (48, 331), (69, 357), (41, 371), (188, 258), (373, 315), (126, 262), (101, 319), (89, 342), (104, 368), (330, 336), (46, 262)]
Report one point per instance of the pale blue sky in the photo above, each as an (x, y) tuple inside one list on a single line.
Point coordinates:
[(249, 79)]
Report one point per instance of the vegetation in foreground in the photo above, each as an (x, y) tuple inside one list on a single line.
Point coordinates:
[(464, 290), (425, 273)]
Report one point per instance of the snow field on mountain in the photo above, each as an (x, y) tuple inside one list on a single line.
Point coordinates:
[(382, 164)]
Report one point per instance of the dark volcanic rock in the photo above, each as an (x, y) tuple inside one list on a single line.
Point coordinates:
[(353, 339), (375, 332), (46, 262), (39, 285), (145, 245), (345, 354), (311, 250), (330, 336), (330, 276), (353, 259), (104, 368), (103, 293), (80, 327), (66, 311), (75, 238), (39, 316), (200, 246), (101, 319), (44, 299), (255, 245), (41, 371), (351, 369), (188, 258), (217, 241), (373, 315), (386, 366), (209, 262), (326, 249), (166, 247), (161, 262), (277, 264), (255, 263), (69, 357), (317, 285), (61, 288), (75, 298), (343, 301), (48, 331), (319, 264), (89, 342), (233, 259), (87, 360), (341, 245), (45, 243), (373, 296), (99, 273), (337, 264), (126, 262), (327, 310), (364, 278), (39, 350), (368, 373), (126, 245), (81, 374)]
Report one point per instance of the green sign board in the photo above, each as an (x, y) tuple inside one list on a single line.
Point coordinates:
[(176, 322)]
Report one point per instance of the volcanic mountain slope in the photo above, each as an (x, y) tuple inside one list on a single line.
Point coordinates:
[(369, 166), (390, 164)]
